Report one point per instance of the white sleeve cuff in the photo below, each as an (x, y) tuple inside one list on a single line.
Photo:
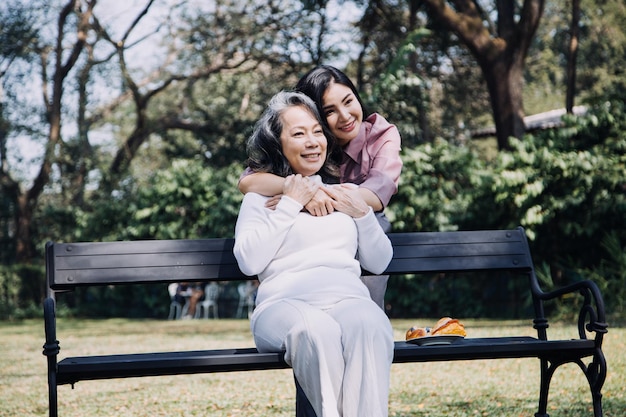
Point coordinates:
[(289, 205)]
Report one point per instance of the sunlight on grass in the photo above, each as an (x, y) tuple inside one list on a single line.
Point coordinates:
[(494, 388)]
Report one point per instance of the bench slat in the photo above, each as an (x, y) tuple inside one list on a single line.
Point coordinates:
[(459, 251), (494, 348), (464, 250), (458, 237), (451, 264), (144, 246), (149, 274), (72, 370), (134, 260), (104, 263)]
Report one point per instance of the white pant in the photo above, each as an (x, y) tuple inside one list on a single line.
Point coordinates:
[(340, 355)]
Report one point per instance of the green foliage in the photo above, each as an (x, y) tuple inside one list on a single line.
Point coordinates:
[(437, 187), (565, 186), (21, 291), (7, 207), (186, 201), (602, 55), (225, 111), (19, 33), (610, 273), (402, 93)]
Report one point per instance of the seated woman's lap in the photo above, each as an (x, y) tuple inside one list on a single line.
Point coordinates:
[(353, 317)]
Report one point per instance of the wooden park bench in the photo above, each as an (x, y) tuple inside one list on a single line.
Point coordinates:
[(502, 252)]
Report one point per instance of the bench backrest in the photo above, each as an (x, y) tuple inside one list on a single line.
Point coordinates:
[(69, 265)]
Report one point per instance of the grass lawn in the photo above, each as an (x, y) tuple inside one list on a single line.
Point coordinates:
[(494, 388)]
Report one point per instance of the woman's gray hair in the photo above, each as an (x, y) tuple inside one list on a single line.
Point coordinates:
[(264, 147)]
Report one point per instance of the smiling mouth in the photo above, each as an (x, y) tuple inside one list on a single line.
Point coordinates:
[(348, 127), (313, 156)]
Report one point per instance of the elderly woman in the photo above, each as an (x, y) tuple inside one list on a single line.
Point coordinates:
[(310, 301)]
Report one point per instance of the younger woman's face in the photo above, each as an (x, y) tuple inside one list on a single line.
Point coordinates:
[(343, 112), (303, 141)]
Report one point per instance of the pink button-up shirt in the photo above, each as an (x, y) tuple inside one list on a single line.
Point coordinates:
[(372, 159)]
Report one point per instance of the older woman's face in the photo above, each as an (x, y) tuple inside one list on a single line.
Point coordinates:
[(303, 141)]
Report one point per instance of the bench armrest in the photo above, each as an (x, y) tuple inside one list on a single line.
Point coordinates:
[(591, 316)]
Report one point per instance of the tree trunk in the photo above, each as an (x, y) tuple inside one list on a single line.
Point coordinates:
[(504, 81), (500, 50), (571, 58), (23, 248), (422, 111), (63, 64)]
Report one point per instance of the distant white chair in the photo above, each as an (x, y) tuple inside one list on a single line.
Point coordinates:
[(246, 298), (176, 309), (211, 294)]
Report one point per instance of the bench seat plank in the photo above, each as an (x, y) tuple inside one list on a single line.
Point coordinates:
[(493, 348), (72, 370)]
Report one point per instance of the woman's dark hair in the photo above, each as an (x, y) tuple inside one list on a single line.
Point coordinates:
[(265, 152), (315, 83)]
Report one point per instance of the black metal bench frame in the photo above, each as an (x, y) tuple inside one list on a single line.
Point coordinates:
[(71, 265)]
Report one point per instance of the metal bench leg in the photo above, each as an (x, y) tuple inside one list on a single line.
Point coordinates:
[(546, 375), (596, 375), (51, 350), (303, 406)]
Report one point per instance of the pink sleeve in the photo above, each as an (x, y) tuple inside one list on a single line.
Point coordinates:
[(385, 166), (245, 173)]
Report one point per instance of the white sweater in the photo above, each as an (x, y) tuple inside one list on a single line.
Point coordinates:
[(299, 256)]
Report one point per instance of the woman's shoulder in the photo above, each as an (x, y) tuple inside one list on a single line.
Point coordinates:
[(377, 126), (378, 120)]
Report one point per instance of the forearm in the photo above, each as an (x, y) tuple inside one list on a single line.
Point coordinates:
[(262, 183), (375, 250), (371, 199)]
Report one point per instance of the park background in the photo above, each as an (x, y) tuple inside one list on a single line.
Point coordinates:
[(128, 120)]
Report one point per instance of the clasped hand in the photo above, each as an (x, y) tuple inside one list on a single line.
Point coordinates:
[(320, 201)]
